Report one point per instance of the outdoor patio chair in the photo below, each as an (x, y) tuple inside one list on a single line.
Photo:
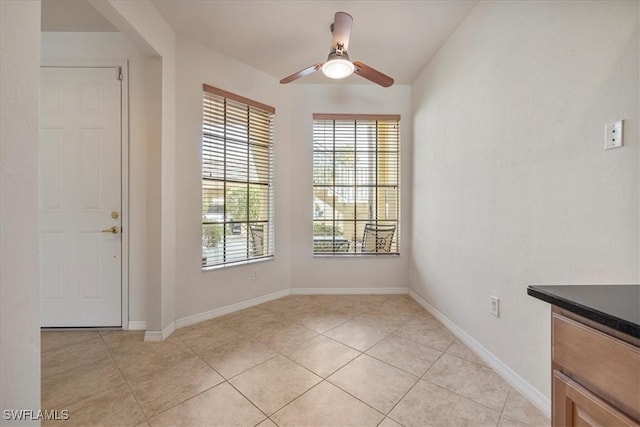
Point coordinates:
[(257, 239), (378, 238)]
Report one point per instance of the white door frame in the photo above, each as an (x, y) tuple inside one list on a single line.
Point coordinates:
[(123, 65)]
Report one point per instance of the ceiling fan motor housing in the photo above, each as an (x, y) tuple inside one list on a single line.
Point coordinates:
[(335, 55)]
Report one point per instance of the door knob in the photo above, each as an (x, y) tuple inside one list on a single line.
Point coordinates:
[(112, 230)]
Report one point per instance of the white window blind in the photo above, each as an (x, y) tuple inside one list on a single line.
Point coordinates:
[(237, 179), (356, 184)]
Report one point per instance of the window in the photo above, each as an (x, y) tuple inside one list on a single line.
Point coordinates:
[(356, 184), (237, 179)]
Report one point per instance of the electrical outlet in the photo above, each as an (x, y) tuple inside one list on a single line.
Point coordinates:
[(613, 135), (254, 274), (495, 305)]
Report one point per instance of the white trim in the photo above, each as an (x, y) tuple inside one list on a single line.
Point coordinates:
[(239, 263), (123, 64), (201, 317), (538, 399), (217, 312), (153, 336), (160, 335), (124, 193), (349, 291), (137, 325)]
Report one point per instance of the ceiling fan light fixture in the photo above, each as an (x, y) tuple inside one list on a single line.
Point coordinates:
[(338, 67)]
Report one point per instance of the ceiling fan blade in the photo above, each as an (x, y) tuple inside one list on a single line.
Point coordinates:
[(302, 73), (374, 75), (341, 30)]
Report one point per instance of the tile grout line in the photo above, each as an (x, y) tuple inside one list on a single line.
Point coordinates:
[(146, 418), (249, 400), (398, 367), (364, 352), (296, 398), (421, 378), (329, 382), (227, 380), (348, 392), (505, 401), (62, 348), (186, 400), (400, 400), (357, 398), (461, 396), (252, 367), (426, 345), (202, 358), (189, 398), (455, 392), (502, 415), (341, 343), (361, 351), (83, 365)]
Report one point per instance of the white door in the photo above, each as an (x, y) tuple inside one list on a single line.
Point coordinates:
[(80, 196)]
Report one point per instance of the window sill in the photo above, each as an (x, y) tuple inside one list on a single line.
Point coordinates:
[(357, 255), (237, 264)]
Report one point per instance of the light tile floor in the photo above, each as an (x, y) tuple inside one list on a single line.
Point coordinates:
[(363, 360)]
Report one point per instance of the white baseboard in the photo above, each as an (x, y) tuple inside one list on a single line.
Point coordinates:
[(217, 312), (137, 325), (509, 375), (348, 291), (153, 336), (201, 317), (160, 335)]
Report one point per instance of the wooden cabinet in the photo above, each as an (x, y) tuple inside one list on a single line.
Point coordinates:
[(596, 374), (574, 405)]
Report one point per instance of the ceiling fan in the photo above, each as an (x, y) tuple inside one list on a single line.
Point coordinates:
[(338, 65)]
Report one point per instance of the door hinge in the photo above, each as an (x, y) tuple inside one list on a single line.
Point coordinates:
[(119, 76)]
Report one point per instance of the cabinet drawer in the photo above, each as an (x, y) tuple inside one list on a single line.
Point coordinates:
[(605, 365), (573, 405)]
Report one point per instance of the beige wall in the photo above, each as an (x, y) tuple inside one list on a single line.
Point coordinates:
[(200, 291), (19, 129), (512, 185)]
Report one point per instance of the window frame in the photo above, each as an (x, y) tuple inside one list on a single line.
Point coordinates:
[(356, 241), (218, 174)]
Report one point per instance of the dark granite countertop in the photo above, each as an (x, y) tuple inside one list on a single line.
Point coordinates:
[(615, 306)]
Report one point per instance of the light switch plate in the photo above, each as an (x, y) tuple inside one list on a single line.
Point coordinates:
[(494, 307), (613, 135)]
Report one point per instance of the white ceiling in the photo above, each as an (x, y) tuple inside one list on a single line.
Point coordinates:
[(281, 37)]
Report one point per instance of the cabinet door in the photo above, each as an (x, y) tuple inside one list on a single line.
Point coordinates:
[(573, 405), (604, 365)]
